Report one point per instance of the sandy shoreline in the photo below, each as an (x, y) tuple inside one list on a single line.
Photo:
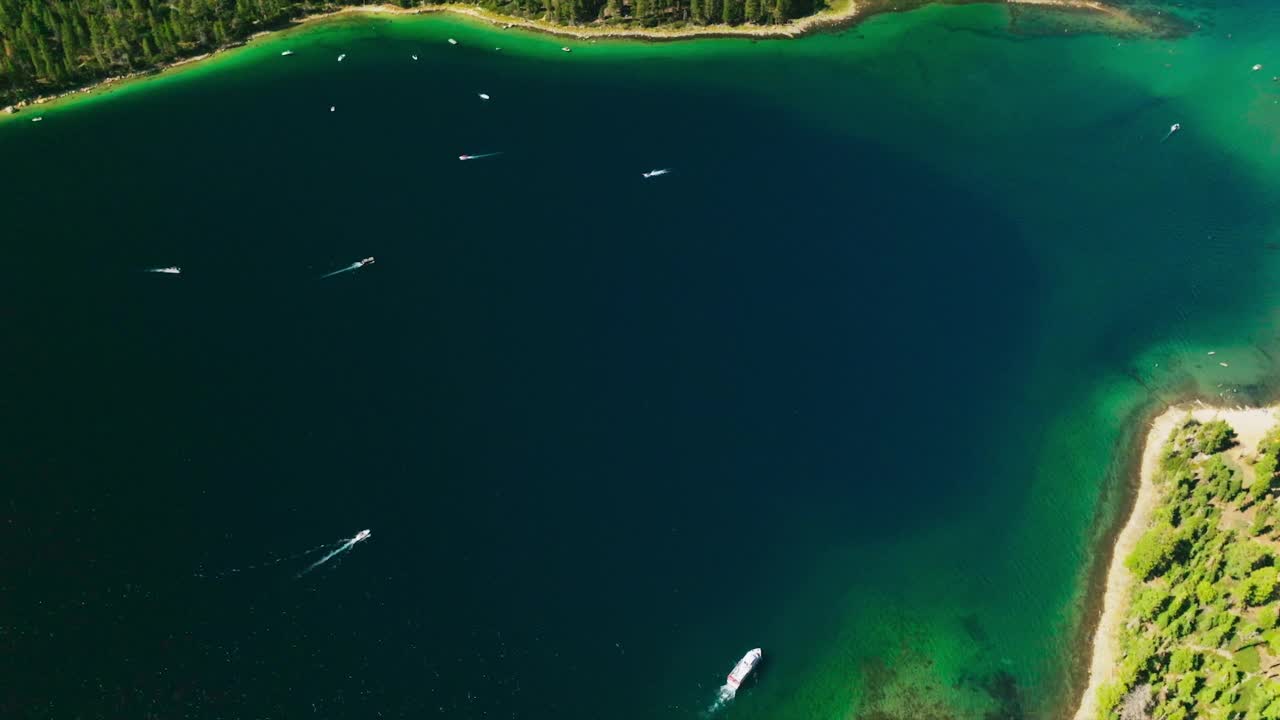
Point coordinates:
[(843, 13), (1250, 425), (850, 12)]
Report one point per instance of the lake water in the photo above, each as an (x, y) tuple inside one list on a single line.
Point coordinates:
[(856, 383)]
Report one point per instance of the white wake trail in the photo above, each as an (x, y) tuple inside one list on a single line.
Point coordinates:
[(362, 535), (339, 271), (341, 549), (268, 563)]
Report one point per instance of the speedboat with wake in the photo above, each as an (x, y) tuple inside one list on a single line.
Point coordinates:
[(171, 270), (739, 673), (656, 173), (353, 266)]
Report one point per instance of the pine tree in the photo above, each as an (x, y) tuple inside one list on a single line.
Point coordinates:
[(732, 12)]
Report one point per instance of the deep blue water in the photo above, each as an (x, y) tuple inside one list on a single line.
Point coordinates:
[(608, 433)]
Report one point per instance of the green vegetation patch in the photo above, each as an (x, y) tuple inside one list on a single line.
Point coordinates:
[(1201, 627), (1249, 659), (47, 45)]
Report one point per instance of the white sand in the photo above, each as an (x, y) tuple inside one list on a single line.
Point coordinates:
[(1250, 425)]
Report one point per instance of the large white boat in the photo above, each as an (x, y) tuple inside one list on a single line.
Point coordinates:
[(739, 674)]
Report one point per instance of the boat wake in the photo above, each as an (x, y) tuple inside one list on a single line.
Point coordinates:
[(716, 706), (269, 563), (331, 550), (353, 266), (345, 546)]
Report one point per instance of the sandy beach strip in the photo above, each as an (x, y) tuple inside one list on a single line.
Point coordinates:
[(843, 12), (1250, 424)]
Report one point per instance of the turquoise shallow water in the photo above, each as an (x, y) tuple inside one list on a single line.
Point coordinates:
[(856, 383)]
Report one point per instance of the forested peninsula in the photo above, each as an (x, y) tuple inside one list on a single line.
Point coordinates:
[(1195, 631), (53, 44)]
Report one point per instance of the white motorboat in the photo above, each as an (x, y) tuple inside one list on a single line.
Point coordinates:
[(739, 673)]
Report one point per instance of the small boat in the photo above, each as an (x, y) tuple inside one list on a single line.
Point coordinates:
[(739, 673), (37, 119), (1224, 364), (656, 173), (332, 108), (342, 57), (1257, 67), (566, 49), (286, 53), (415, 57), (483, 96), (171, 270), (353, 266), (452, 41), (1213, 352), (478, 157)]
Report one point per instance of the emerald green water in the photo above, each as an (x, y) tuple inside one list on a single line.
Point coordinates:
[(859, 385)]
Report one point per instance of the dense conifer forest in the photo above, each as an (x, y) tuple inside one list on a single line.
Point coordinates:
[(46, 45)]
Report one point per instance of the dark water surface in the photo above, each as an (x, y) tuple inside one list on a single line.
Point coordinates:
[(853, 384)]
